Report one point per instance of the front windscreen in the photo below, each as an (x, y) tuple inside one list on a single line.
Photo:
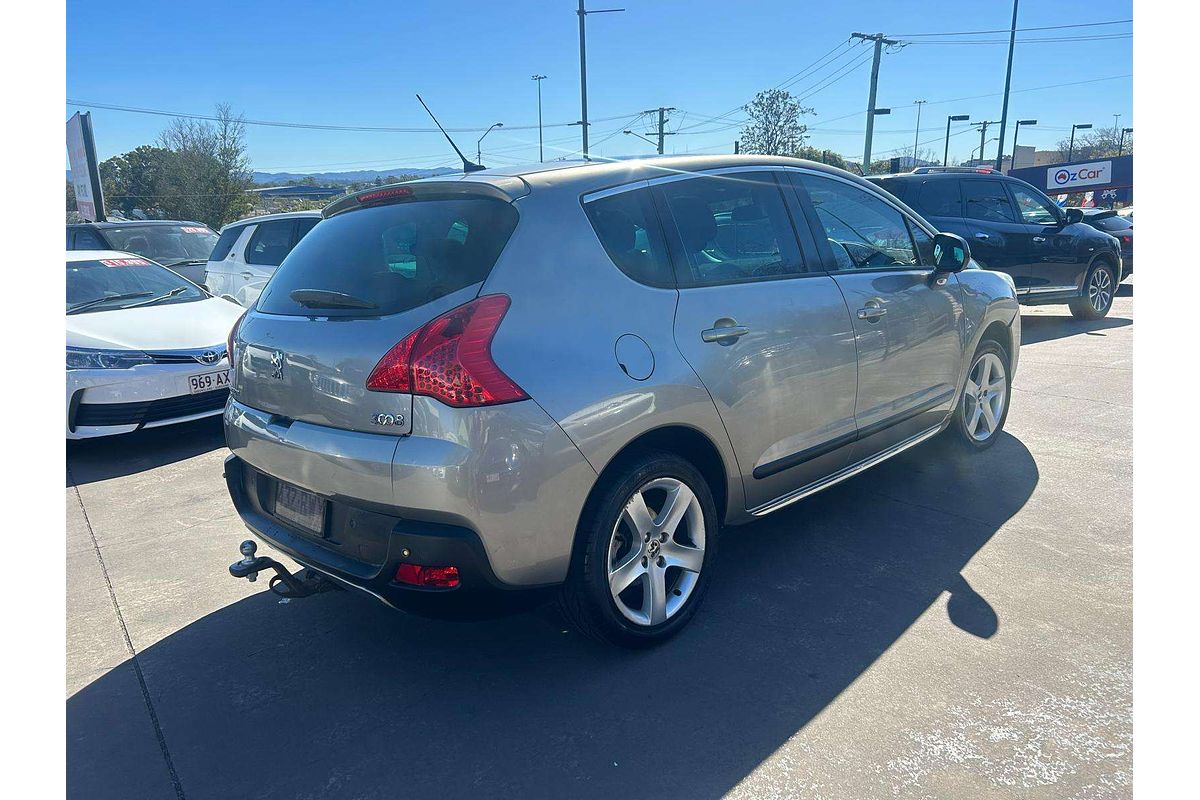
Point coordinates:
[(114, 283), (167, 244)]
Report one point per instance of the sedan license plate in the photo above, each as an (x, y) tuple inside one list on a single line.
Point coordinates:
[(208, 382), (301, 508)]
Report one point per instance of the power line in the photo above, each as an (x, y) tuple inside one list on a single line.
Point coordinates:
[(314, 126), (1036, 40), (1006, 30)]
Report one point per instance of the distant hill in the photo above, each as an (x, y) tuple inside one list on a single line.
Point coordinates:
[(276, 178), (354, 176)]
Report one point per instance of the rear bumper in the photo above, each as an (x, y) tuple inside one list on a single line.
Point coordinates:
[(365, 549), (494, 491)]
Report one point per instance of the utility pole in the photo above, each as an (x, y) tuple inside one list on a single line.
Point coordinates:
[(539, 79), (880, 40), (662, 123), (1012, 43), (917, 138), (583, 120), (983, 126)]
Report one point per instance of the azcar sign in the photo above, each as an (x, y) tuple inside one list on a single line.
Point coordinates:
[(1069, 177)]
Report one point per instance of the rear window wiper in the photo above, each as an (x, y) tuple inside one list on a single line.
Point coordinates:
[(75, 309), (176, 291), (326, 298)]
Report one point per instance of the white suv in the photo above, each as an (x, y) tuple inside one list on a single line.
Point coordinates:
[(250, 249)]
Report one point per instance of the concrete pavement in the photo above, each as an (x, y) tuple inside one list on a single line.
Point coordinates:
[(940, 626)]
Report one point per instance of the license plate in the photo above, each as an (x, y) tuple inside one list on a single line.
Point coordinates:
[(208, 382), (301, 508)]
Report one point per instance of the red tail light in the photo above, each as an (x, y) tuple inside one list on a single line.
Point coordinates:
[(232, 334), (432, 577), (450, 359)]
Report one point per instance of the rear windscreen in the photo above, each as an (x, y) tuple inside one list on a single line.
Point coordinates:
[(390, 258)]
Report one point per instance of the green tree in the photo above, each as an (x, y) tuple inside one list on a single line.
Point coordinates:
[(133, 180), (823, 156), (774, 127)]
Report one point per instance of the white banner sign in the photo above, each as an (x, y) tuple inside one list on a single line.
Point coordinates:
[(1078, 175), (85, 175)]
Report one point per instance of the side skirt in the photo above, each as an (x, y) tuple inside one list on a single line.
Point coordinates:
[(846, 472)]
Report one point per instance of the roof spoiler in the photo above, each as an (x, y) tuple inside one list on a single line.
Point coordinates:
[(499, 187)]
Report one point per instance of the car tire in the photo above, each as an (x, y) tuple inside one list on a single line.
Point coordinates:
[(1099, 291), (982, 392), (614, 543)]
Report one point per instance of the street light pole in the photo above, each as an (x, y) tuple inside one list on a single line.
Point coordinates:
[(917, 138), (479, 144), (1016, 134), (1083, 127), (583, 119), (539, 79), (1121, 145), (952, 118), (1012, 43)]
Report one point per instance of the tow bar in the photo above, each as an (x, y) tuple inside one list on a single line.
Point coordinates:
[(285, 584)]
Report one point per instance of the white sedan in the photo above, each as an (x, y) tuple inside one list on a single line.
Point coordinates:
[(145, 347)]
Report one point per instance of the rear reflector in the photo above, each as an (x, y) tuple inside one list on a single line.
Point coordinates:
[(430, 577), (450, 359)]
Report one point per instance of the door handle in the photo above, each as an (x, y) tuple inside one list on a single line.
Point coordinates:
[(871, 313), (1039, 239), (247, 275), (982, 235), (725, 334)]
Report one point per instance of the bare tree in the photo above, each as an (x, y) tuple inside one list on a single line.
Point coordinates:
[(207, 172), (1096, 143), (774, 128)]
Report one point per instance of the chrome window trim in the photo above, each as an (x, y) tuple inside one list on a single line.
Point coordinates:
[(717, 171)]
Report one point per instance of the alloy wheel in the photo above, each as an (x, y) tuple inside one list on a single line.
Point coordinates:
[(984, 397), (656, 551), (1100, 290)]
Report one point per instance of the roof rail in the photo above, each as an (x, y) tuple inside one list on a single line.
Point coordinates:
[(979, 170)]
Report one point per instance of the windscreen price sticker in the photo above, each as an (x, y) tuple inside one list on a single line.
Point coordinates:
[(125, 262), (187, 229)]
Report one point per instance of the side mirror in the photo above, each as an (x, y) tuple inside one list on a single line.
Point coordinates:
[(1074, 215), (950, 253)]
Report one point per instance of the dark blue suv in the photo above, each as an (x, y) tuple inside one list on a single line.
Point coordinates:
[(1052, 255)]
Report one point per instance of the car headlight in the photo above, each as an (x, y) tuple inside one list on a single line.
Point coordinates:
[(87, 358)]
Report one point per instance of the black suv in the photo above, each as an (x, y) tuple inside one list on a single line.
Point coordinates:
[(1051, 254)]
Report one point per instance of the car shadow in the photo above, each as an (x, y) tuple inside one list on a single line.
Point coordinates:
[(1125, 290), (92, 460), (1042, 328), (336, 696)]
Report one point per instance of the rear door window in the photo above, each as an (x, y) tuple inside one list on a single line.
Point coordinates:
[(939, 197), (731, 228), (987, 200), (390, 258), (627, 225), (271, 243)]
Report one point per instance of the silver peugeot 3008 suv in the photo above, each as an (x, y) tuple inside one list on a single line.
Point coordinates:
[(572, 377)]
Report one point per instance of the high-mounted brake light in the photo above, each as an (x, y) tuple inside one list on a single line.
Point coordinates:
[(450, 359), (384, 194)]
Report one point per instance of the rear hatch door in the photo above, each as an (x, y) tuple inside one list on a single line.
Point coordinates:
[(353, 288)]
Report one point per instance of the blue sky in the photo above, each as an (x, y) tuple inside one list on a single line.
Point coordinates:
[(359, 63)]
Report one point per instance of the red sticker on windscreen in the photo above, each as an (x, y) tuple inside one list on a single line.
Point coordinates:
[(125, 262), (187, 229)]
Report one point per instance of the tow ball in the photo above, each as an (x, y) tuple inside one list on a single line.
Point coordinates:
[(283, 583)]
